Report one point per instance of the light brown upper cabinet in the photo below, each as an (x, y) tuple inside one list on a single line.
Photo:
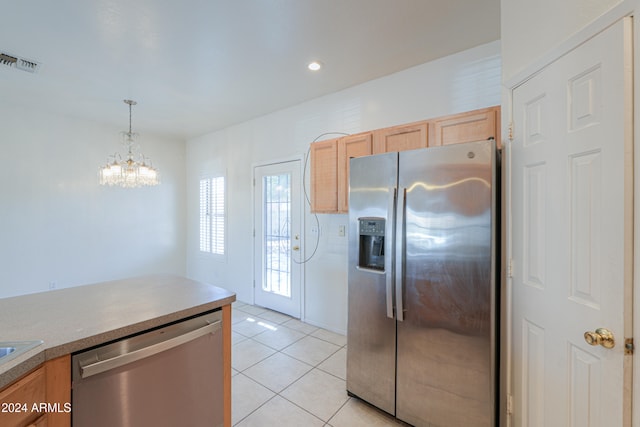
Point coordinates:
[(324, 176), (330, 158), (466, 127), (349, 147), (401, 138)]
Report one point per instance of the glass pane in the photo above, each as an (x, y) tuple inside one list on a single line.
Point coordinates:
[(277, 236)]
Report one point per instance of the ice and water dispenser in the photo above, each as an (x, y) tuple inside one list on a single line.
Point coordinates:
[(371, 243)]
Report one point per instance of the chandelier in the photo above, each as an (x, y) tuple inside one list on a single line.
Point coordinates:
[(132, 172)]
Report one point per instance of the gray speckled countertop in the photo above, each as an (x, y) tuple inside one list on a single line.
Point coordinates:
[(73, 319)]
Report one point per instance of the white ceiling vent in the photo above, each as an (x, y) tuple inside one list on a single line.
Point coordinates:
[(13, 61)]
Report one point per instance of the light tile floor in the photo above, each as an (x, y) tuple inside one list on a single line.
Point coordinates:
[(290, 373)]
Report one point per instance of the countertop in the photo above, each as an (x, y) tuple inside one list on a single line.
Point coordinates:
[(73, 319)]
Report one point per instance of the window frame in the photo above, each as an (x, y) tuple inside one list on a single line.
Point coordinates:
[(212, 224)]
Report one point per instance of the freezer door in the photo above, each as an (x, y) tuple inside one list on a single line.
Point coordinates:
[(371, 332), (445, 362)]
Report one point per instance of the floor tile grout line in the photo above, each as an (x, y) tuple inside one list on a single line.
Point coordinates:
[(291, 356), (276, 393), (283, 325), (266, 310), (304, 409), (294, 382), (286, 387), (296, 330), (276, 351), (258, 407), (272, 354), (283, 397), (288, 345), (332, 374), (339, 409), (284, 348), (265, 344), (319, 363)]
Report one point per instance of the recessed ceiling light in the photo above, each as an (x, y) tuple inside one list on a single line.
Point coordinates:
[(314, 66)]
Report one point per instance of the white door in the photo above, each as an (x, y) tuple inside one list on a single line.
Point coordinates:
[(570, 225), (278, 246)]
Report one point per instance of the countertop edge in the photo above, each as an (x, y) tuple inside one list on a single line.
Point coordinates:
[(21, 365), (115, 334)]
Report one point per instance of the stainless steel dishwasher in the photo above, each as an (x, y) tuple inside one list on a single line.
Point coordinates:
[(170, 376)]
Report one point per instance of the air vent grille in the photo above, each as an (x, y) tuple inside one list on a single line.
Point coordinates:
[(13, 61)]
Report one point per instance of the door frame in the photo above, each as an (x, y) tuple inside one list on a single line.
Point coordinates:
[(632, 195), (254, 165)]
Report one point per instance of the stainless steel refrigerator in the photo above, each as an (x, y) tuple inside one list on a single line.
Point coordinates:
[(423, 263)]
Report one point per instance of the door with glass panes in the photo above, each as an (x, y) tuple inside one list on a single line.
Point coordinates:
[(277, 237)]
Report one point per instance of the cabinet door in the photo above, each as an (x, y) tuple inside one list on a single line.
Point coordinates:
[(474, 125), (349, 147), (19, 398), (401, 138), (40, 422), (324, 176)]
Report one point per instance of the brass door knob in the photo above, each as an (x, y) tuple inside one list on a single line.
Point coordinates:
[(296, 248), (601, 336)]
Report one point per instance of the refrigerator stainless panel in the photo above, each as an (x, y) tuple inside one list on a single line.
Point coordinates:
[(371, 333), (445, 356)]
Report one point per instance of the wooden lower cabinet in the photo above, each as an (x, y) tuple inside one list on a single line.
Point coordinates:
[(40, 422), (18, 399), (40, 398)]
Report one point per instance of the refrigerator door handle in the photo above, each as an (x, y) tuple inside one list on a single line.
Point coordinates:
[(399, 240), (388, 259)]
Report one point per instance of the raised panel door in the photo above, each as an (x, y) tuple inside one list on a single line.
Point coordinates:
[(350, 147), (40, 422), (470, 126), (571, 237), (19, 398), (324, 176), (401, 138)]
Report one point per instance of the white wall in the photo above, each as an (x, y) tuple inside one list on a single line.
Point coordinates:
[(529, 29), (58, 225), (461, 82)]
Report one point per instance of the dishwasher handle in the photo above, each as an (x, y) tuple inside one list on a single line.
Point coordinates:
[(101, 366)]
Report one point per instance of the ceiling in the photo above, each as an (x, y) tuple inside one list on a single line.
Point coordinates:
[(195, 66)]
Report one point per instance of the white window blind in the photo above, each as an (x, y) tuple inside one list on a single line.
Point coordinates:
[(212, 215)]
